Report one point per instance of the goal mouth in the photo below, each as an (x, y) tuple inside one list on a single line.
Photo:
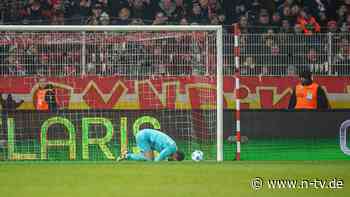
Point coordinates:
[(107, 82)]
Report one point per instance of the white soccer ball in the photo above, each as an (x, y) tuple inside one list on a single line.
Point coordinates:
[(197, 155)]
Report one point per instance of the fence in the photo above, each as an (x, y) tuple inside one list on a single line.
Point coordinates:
[(75, 54)]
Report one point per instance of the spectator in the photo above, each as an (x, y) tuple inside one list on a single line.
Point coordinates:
[(123, 17), (57, 18), (94, 18), (204, 8), (315, 61), (276, 20), (287, 14), (295, 10), (81, 12), (318, 6), (323, 21), (263, 22), (104, 19), (160, 19), (243, 24), (345, 26), (9, 104), (14, 65), (51, 97), (196, 15), (285, 26), (341, 13), (215, 7), (342, 57), (140, 9), (167, 7), (34, 13), (332, 26), (235, 9), (180, 11), (308, 23)]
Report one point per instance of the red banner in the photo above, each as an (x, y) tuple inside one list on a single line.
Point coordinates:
[(170, 92)]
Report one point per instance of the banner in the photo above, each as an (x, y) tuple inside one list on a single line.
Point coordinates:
[(170, 92), (96, 134)]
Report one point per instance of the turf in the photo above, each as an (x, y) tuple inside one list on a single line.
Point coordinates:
[(165, 179)]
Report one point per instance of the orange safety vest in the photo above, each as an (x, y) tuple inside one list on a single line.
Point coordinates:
[(41, 104), (306, 96)]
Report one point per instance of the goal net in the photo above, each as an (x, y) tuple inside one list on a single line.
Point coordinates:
[(108, 83)]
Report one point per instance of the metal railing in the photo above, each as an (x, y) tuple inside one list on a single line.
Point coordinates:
[(77, 53), (284, 54)]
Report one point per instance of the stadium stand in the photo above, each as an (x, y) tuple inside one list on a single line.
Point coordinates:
[(278, 33)]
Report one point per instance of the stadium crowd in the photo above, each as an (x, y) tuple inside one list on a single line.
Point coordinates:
[(270, 53), (285, 15)]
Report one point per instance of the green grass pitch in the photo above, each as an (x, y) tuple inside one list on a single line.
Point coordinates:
[(166, 179)]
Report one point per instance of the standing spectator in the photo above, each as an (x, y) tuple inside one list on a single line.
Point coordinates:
[(57, 18), (263, 23), (140, 9), (332, 26), (235, 9), (342, 57), (285, 26), (180, 11), (243, 24), (308, 23), (123, 17), (104, 19), (95, 14), (79, 12), (196, 15), (323, 21), (9, 104), (308, 94), (341, 13), (160, 19), (168, 8), (276, 20), (315, 61), (345, 25), (11, 10), (204, 8), (51, 97), (33, 14), (320, 6)]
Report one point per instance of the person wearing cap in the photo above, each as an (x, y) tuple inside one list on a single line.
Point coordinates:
[(308, 94)]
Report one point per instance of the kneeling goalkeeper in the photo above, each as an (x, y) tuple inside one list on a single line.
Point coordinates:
[(149, 140)]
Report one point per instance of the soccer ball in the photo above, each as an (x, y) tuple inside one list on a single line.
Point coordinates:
[(197, 155)]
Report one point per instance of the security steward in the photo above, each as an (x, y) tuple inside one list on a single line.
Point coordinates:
[(308, 94)]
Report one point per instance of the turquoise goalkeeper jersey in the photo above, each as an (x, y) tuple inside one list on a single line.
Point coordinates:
[(150, 139)]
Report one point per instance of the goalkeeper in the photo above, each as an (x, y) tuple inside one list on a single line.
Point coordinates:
[(149, 140)]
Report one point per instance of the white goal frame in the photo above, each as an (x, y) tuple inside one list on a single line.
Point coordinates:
[(219, 55)]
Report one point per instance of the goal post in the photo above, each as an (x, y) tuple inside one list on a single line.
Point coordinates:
[(155, 53)]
